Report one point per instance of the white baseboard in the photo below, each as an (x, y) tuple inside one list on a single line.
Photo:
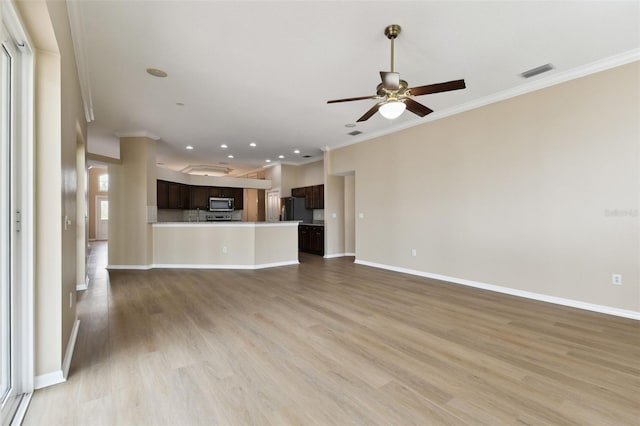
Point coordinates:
[(66, 363), (512, 291), (206, 266), (334, 255), (49, 379), (83, 286), (130, 267)]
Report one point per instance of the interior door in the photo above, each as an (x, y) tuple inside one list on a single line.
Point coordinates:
[(273, 206), (102, 217)]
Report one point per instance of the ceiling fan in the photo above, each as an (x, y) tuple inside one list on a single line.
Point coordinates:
[(395, 95)]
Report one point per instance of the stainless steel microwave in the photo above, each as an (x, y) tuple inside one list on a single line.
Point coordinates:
[(220, 204)]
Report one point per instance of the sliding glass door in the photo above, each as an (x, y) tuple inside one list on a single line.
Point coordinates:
[(16, 233), (6, 293)]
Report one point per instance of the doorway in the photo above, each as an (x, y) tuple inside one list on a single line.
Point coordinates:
[(273, 206), (102, 217)]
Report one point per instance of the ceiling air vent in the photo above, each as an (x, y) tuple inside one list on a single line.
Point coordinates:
[(355, 133), (537, 70), (306, 156)]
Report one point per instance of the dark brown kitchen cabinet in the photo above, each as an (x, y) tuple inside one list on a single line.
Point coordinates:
[(238, 198), (317, 197), (162, 194), (311, 239), (178, 196), (199, 197), (303, 238), (313, 196), (172, 195), (298, 192), (220, 192)]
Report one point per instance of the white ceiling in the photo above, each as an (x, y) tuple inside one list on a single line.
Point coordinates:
[(262, 71)]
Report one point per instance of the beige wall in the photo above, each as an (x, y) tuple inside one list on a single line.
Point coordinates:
[(94, 191), (516, 194), (334, 219), (132, 187), (310, 174), (59, 128)]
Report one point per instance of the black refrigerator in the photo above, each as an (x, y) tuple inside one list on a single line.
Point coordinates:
[(293, 209)]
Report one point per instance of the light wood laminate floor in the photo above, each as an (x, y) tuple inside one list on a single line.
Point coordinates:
[(329, 342)]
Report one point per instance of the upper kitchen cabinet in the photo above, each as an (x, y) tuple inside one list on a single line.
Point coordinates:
[(313, 196), (199, 197), (298, 192), (178, 196), (162, 194), (238, 198), (318, 197), (171, 195), (220, 192)]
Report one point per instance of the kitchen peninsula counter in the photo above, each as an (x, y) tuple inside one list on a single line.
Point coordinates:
[(224, 245)]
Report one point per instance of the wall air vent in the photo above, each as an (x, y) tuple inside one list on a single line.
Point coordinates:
[(355, 133), (537, 70)]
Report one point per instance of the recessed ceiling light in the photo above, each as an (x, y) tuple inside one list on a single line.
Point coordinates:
[(267, 161), (224, 146), (280, 156), (297, 151), (350, 125), (188, 147), (252, 144), (229, 156), (156, 72)]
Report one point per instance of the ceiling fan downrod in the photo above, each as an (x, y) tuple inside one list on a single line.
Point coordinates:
[(392, 32)]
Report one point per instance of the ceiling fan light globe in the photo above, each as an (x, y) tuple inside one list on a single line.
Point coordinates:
[(392, 109)]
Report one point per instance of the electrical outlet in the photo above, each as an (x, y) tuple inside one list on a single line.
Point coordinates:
[(414, 252), (224, 249), (616, 279), (361, 215)]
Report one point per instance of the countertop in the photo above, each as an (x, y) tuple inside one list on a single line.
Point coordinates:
[(226, 223)]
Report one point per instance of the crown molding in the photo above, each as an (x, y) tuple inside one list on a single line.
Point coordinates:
[(78, 36), (539, 83), (137, 134)]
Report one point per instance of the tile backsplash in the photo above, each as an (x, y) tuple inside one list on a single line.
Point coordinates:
[(167, 215)]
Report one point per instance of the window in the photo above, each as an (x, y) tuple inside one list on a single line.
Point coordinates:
[(103, 183)]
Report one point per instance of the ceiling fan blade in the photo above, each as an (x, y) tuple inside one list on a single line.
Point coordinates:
[(390, 80), (438, 87), (417, 108), (367, 115), (351, 99)]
